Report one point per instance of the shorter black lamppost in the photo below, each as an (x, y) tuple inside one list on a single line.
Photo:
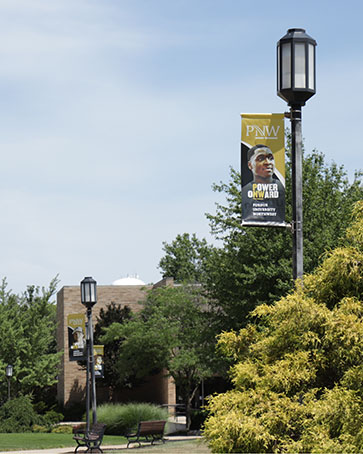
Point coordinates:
[(89, 299), (296, 84), (9, 374)]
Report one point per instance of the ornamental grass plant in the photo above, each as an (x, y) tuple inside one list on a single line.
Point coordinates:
[(120, 419)]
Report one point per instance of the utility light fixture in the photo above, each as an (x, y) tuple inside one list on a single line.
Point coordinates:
[(296, 81), (9, 374), (88, 292), (9, 370)]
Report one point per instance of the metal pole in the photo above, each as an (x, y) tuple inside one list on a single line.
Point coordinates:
[(87, 377), (203, 393), (297, 199), (92, 367), (8, 388)]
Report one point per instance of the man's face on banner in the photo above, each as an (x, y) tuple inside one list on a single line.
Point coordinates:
[(262, 163)]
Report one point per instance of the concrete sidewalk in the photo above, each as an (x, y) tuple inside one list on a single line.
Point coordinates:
[(68, 450), (105, 448)]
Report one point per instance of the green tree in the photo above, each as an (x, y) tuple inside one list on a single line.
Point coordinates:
[(254, 264), (113, 313), (27, 338), (185, 258), (168, 334), (298, 375)]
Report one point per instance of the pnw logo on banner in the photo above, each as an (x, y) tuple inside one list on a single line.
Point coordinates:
[(263, 169)]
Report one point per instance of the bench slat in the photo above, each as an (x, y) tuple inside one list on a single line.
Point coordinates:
[(92, 439), (155, 429)]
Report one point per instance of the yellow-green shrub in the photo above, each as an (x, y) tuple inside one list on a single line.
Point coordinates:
[(62, 429), (298, 374)]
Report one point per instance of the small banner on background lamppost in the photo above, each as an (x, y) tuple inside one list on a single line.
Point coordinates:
[(77, 337), (98, 352), (263, 170)]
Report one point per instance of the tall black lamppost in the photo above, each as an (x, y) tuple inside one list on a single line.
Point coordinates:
[(9, 374), (89, 299), (296, 84)]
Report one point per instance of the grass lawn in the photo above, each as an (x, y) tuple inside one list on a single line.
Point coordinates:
[(23, 441)]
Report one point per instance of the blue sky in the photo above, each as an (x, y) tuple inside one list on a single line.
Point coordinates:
[(116, 117)]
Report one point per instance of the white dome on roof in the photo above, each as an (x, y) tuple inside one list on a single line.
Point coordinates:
[(129, 280)]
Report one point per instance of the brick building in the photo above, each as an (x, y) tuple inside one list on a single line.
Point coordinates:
[(159, 389)]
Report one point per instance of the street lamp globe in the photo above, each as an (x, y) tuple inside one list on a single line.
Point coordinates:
[(88, 292), (296, 81), (9, 370)]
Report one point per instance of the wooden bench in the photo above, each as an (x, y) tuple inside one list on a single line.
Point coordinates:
[(147, 431), (92, 440)]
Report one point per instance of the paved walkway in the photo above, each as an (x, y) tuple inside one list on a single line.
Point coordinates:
[(70, 450)]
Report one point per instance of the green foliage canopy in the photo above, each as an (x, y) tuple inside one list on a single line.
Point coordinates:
[(27, 338), (169, 333), (113, 313), (254, 265), (185, 258)]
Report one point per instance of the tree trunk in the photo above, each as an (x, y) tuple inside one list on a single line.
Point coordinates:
[(188, 398)]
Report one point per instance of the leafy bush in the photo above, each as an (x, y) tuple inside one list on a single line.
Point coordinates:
[(53, 417), (121, 419), (18, 415), (63, 429)]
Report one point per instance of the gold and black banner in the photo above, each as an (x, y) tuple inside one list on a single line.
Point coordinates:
[(263, 170), (98, 352), (77, 337)]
